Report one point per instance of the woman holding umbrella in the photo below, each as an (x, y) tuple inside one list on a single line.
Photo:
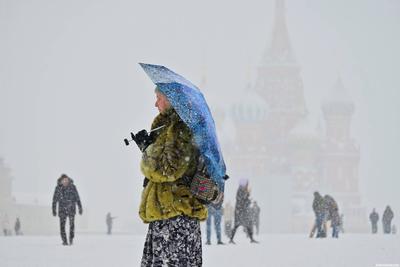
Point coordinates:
[(170, 155)]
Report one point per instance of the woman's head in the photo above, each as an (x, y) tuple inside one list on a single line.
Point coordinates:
[(162, 102)]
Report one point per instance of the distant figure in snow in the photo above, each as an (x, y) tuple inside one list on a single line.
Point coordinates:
[(5, 224), (394, 229), (387, 218), (319, 211), (109, 222), (332, 214), (255, 216), (17, 227), (242, 211), (228, 219), (374, 218), (67, 197), (214, 210)]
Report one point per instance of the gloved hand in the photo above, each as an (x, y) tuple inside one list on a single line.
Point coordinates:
[(54, 213), (143, 140), (80, 211)]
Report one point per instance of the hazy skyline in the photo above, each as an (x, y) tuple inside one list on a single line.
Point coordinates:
[(71, 88)]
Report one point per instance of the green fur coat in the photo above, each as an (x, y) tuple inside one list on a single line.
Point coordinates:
[(170, 157)]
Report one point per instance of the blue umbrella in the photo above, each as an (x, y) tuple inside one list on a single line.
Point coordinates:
[(192, 108)]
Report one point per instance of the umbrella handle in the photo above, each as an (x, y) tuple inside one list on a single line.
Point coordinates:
[(156, 129)]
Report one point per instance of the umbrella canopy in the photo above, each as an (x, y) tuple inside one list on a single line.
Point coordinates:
[(192, 108)]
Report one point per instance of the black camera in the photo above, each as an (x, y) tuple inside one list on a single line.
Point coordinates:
[(142, 138)]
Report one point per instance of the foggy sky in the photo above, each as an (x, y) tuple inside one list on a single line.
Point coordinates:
[(71, 88)]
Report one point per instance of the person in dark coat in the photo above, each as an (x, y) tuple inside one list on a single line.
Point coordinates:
[(109, 222), (242, 211), (335, 224), (67, 197), (17, 227), (387, 220), (319, 210), (374, 218), (332, 214)]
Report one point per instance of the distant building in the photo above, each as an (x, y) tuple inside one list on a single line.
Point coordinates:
[(283, 153)]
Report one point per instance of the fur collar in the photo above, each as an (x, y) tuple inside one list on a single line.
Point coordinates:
[(165, 118)]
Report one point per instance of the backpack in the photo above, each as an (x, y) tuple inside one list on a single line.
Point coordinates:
[(204, 188)]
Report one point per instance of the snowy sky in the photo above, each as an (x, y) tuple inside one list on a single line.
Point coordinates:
[(71, 89)]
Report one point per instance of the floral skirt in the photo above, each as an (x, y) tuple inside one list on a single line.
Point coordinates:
[(173, 242)]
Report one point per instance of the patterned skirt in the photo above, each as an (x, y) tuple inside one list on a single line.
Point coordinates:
[(173, 242)]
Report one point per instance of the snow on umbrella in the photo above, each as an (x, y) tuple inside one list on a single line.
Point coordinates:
[(192, 108)]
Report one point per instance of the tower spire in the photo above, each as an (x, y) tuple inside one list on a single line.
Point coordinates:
[(280, 49), (338, 94)]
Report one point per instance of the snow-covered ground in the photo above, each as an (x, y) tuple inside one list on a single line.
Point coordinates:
[(274, 251)]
